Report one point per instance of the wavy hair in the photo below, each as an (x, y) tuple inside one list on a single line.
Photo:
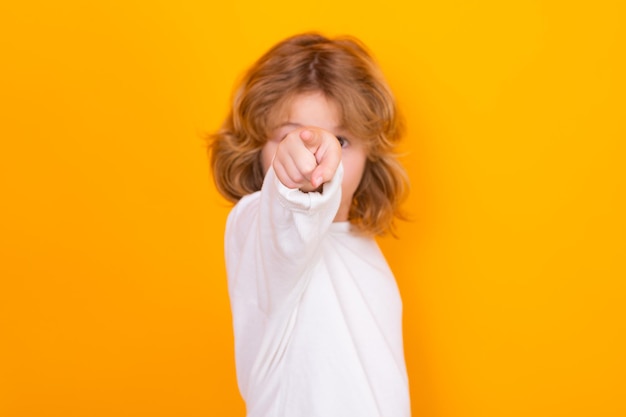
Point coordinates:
[(345, 72)]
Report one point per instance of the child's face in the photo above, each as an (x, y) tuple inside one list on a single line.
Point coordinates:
[(314, 109)]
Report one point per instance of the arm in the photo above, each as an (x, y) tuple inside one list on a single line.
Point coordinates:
[(282, 231)]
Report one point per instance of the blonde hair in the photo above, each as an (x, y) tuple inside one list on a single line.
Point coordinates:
[(344, 71)]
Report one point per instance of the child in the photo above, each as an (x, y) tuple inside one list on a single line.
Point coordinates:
[(307, 155)]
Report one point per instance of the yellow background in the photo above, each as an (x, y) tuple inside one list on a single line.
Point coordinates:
[(113, 295)]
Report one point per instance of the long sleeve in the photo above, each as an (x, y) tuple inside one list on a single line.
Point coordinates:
[(286, 226), (272, 237)]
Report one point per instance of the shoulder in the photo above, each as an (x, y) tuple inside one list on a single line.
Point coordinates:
[(242, 216)]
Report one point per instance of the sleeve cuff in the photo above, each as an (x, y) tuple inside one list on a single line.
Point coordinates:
[(294, 199)]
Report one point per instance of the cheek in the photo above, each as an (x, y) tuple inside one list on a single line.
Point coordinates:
[(267, 154), (354, 167), (269, 149)]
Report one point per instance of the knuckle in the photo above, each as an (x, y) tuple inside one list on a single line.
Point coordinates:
[(297, 178), (308, 167)]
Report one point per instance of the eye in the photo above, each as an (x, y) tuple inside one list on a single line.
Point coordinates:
[(343, 142)]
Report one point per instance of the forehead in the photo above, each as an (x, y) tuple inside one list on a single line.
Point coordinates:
[(310, 109), (346, 112)]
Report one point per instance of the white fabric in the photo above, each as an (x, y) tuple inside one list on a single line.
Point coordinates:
[(316, 309)]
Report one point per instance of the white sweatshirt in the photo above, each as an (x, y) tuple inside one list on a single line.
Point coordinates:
[(316, 310)]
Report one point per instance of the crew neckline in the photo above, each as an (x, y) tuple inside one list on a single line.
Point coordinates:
[(343, 226)]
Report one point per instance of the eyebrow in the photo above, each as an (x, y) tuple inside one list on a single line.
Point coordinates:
[(292, 124)]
